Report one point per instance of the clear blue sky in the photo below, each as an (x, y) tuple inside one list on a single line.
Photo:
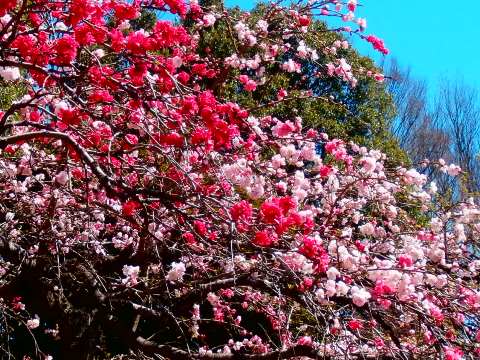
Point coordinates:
[(434, 37)]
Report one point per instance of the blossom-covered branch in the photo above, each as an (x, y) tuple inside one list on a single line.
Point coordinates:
[(143, 212)]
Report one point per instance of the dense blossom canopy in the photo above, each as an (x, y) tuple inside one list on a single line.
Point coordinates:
[(140, 214)]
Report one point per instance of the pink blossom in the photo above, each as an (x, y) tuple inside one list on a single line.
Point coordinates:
[(209, 20), (378, 44), (367, 229), (33, 323), (362, 22), (369, 164), (360, 296), (9, 73), (131, 275), (453, 353), (62, 178), (283, 129), (177, 271), (291, 66), (305, 341)]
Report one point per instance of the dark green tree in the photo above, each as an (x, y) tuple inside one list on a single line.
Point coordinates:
[(362, 113)]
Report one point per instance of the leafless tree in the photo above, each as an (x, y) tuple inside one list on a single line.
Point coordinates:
[(448, 128), (457, 111), (410, 97)]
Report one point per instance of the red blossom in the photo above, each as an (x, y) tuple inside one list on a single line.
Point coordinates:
[(264, 238), (130, 207), (64, 50), (355, 325)]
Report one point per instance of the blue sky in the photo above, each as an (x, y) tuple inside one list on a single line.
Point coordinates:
[(434, 37)]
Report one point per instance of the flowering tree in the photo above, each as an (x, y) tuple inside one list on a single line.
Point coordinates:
[(143, 215)]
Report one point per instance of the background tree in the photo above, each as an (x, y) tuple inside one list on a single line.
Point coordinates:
[(362, 113), (411, 107), (444, 128), (458, 112)]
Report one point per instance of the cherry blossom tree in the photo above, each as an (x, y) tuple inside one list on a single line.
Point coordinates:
[(144, 217)]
